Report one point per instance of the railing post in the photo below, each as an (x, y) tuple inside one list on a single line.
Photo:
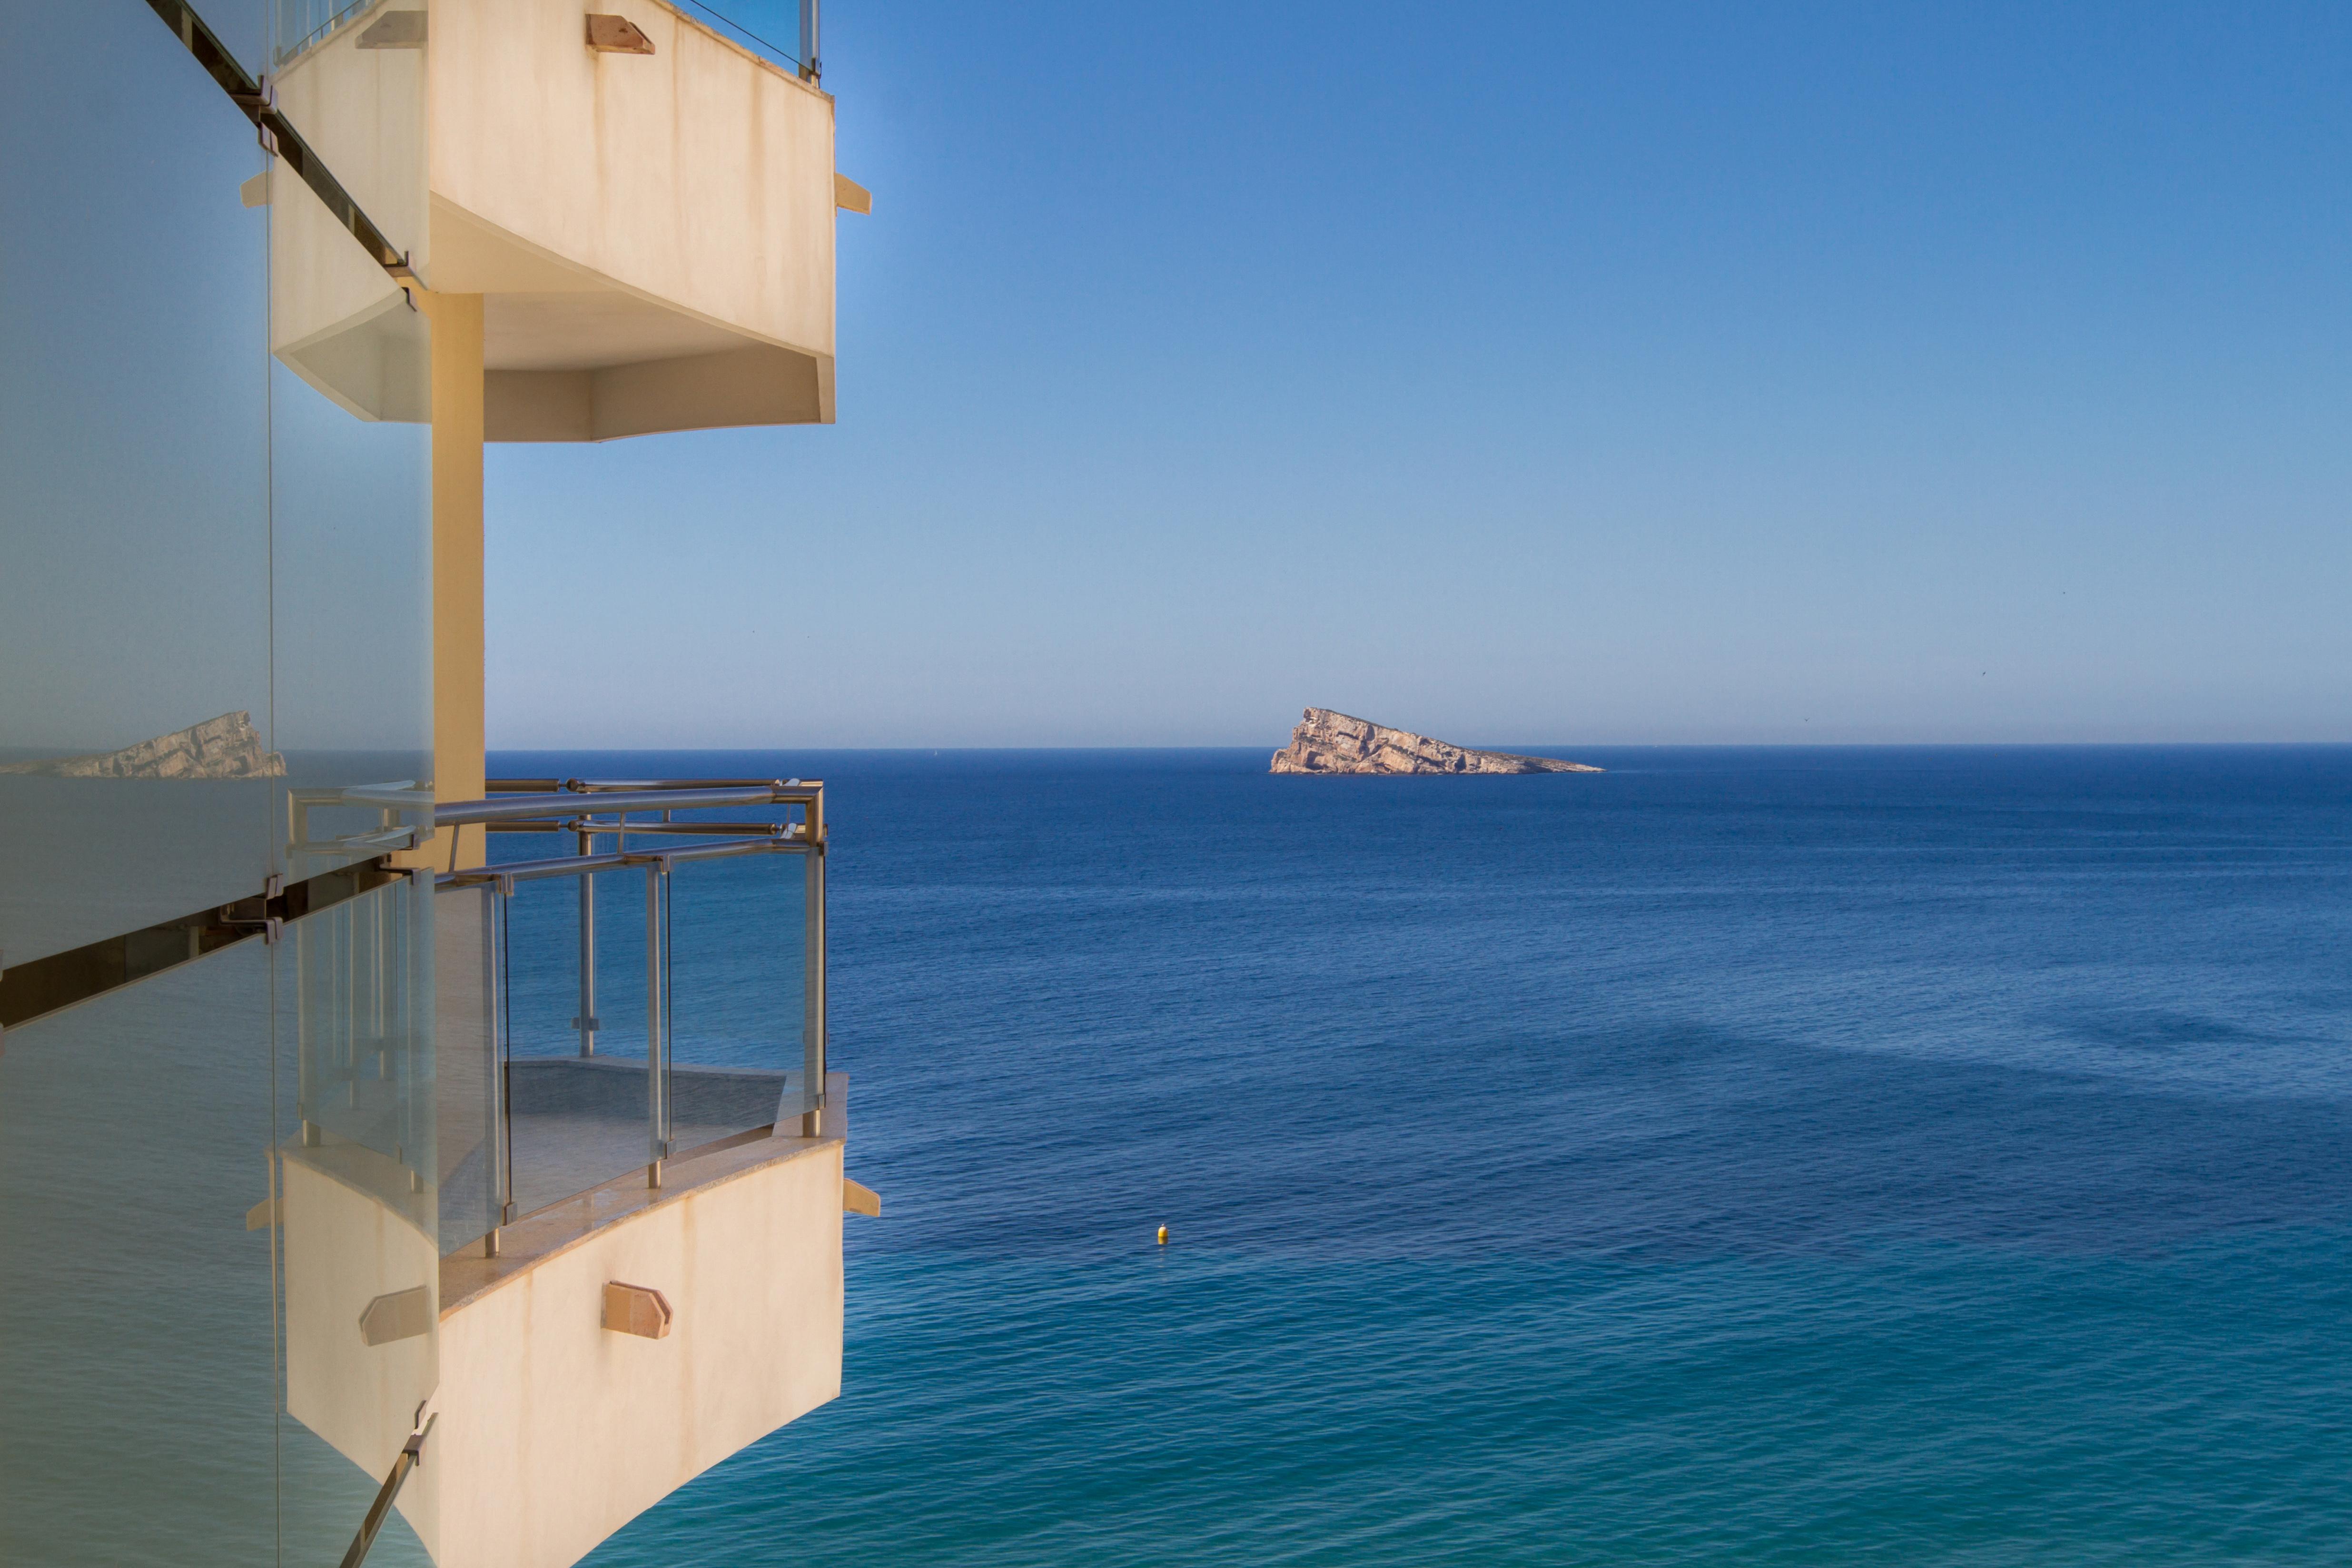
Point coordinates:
[(498, 904), (657, 1023), (812, 992), (587, 1021)]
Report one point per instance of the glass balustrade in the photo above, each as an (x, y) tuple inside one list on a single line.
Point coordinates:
[(469, 1143), (298, 25), (217, 1184), (632, 993), (781, 31)]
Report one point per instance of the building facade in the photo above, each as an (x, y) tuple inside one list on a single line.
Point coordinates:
[(397, 1162)]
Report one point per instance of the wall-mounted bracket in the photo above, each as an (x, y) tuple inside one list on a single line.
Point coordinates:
[(637, 1309), (609, 35)]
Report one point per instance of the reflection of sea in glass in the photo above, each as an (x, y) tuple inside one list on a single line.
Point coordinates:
[(135, 1329)]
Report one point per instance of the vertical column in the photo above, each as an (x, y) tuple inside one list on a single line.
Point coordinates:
[(458, 682)]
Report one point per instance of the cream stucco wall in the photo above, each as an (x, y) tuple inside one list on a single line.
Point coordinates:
[(355, 1230), (361, 110), (700, 175), (555, 1431)]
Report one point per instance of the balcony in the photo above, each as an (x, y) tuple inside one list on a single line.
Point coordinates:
[(597, 1228), (640, 1002), (649, 225)]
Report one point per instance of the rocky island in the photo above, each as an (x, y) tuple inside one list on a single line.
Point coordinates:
[(1327, 742), (224, 747)]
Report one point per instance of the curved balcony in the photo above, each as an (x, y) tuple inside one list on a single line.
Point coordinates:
[(624, 1145), (650, 226)]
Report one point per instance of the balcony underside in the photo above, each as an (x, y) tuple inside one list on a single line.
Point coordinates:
[(569, 355)]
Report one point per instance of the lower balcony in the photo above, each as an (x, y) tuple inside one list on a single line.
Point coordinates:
[(629, 1267)]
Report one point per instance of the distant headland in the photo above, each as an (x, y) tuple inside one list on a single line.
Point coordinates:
[(1327, 742)]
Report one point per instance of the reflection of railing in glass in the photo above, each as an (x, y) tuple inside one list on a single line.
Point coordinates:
[(639, 1003), (401, 812)]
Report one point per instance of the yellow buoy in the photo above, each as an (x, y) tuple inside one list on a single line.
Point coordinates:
[(1163, 1236)]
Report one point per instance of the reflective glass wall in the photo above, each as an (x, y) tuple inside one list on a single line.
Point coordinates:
[(219, 1184)]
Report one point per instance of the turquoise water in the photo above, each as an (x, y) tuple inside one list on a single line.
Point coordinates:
[(1745, 1155)]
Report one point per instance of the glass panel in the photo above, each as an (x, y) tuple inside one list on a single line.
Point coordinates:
[(136, 1327), (243, 28), (351, 403), (134, 608), (349, 385), (358, 1208), (739, 949), (729, 944), (466, 985), (776, 30), (301, 24), (575, 1121), (364, 1063)]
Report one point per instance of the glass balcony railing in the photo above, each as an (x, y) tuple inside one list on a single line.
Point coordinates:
[(655, 992), (781, 31)]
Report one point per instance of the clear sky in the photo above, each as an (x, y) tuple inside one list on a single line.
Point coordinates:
[(1538, 373)]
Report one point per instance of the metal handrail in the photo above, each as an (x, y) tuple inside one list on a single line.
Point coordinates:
[(683, 799), (590, 826), (596, 786), (611, 860)]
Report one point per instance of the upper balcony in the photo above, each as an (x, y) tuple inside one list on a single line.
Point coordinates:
[(645, 206)]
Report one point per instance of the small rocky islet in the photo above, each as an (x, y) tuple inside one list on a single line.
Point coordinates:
[(1328, 742), (229, 746)]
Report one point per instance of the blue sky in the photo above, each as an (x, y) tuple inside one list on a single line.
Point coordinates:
[(1548, 374)]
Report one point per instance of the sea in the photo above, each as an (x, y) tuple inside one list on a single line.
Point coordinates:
[(1753, 1156)]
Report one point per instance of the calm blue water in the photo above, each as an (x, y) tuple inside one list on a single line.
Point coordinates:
[(1808, 1156)]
